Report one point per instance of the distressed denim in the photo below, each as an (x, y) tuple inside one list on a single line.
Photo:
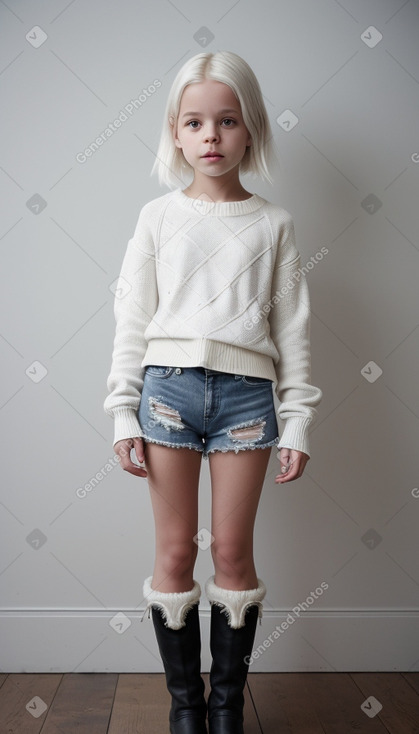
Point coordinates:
[(207, 410)]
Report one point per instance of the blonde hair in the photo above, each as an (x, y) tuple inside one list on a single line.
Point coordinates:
[(229, 68)]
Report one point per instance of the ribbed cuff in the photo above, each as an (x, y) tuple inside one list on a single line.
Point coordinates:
[(126, 424), (295, 435)]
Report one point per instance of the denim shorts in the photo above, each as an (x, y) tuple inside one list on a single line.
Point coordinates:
[(206, 410)]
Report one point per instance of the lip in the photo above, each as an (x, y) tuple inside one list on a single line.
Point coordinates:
[(212, 154)]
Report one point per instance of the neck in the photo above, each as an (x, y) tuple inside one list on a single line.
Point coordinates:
[(217, 189)]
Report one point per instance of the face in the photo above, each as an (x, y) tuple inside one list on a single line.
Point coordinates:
[(210, 119)]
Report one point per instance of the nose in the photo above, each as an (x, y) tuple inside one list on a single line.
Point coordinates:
[(211, 134)]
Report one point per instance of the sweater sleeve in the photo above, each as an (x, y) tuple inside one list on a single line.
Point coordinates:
[(136, 300), (289, 321)]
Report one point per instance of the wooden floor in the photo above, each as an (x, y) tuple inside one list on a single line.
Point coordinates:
[(276, 703)]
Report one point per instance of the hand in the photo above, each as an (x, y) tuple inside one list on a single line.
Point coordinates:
[(292, 465), (123, 449)]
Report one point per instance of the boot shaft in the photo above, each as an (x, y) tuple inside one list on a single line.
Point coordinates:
[(234, 616), (230, 649), (176, 624), (180, 651)]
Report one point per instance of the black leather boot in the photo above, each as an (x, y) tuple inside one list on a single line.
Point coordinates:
[(234, 616), (176, 624)]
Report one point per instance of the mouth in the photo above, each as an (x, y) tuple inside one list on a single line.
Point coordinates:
[(213, 156)]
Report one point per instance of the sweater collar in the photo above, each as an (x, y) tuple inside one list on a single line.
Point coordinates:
[(219, 208)]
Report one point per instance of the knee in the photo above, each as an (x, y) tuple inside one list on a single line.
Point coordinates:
[(177, 559), (231, 559)]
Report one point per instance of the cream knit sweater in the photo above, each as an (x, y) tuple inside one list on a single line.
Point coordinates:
[(216, 285)]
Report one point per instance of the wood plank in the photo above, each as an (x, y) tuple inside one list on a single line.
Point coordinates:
[(83, 703), (251, 721), (36, 690), (310, 703), (282, 705), (412, 679), (337, 701), (400, 702), (142, 704)]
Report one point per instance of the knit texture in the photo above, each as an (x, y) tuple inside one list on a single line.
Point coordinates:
[(234, 604), (216, 285), (174, 605)]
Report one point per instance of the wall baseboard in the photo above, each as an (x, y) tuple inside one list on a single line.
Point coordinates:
[(97, 641)]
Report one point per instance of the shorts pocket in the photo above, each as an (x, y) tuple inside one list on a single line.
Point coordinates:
[(157, 370), (255, 381)]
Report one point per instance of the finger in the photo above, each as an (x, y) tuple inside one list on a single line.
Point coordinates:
[(139, 449), (284, 456), (123, 450), (288, 477), (130, 463), (134, 457), (295, 472), (292, 472), (134, 469)]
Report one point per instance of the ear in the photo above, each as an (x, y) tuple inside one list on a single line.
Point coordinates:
[(249, 141), (174, 132)]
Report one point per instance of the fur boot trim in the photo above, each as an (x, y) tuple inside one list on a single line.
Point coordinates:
[(235, 603), (174, 605)]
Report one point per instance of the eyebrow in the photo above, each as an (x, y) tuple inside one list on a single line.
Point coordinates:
[(221, 112)]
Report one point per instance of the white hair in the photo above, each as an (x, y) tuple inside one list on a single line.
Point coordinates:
[(228, 68)]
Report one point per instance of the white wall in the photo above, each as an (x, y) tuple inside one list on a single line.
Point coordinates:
[(68, 564)]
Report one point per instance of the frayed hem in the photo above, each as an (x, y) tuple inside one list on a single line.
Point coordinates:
[(173, 445), (205, 453), (248, 447)]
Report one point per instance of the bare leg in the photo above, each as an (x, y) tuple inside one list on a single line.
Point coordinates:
[(237, 481), (173, 479)]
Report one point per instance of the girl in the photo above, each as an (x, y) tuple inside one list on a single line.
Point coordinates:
[(211, 310)]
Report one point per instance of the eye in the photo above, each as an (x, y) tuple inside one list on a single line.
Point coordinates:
[(192, 123), (228, 119)]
